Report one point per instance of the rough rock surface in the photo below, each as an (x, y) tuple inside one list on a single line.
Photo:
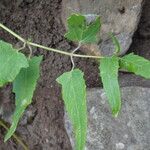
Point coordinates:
[(130, 131), (118, 16)]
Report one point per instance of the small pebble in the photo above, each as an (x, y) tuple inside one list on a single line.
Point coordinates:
[(119, 146)]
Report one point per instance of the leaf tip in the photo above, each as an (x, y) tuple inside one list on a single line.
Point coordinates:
[(116, 111), (6, 138), (115, 114)]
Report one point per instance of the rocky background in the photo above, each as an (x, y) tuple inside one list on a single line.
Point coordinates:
[(118, 16), (43, 125)]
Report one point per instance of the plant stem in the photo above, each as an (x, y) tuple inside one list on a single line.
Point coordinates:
[(44, 47), (72, 61), (14, 135), (13, 33)]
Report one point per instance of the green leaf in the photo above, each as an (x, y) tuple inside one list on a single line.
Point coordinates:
[(116, 43), (109, 75), (136, 64), (11, 61), (79, 31), (24, 87), (74, 96)]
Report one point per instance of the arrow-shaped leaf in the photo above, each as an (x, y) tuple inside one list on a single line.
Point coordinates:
[(79, 31), (109, 75), (74, 96), (11, 61), (136, 64), (23, 87)]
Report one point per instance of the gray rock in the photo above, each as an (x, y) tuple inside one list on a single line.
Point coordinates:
[(7, 114), (118, 16), (129, 131), (28, 115), (107, 47)]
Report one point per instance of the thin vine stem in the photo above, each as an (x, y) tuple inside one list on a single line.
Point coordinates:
[(14, 135), (23, 47), (12, 32), (30, 48), (72, 61), (44, 47)]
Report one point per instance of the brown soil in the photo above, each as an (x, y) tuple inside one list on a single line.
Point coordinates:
[(40, 21)]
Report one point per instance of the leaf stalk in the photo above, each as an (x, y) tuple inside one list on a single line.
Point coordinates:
[(73, 65)]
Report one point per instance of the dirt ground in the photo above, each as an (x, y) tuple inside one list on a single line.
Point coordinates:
[(40, 21)]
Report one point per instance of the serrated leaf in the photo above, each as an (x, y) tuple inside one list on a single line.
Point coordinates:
[(24, 87), (109, 75), (79, 31), (136, 64), (11, 61), (74, 96)]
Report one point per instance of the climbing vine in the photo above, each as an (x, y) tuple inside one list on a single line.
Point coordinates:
[(24, 71)]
